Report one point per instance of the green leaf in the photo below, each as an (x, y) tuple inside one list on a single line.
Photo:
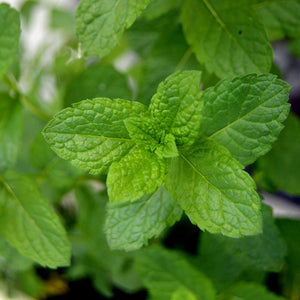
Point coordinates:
[(223, 258), (97, 81), (92, 134), (214, 191), (164, 272), (9, 37), (100, 24), (176, 105), (281, 18), (146, 133), (62, 19), (157, 8), (226, 36), (183, 293), (291, 274), (11, 125), (29, 223), (138, 173), (250, 291), (12, 256), (245, 114), (130, 225), (285, 174), (294, 47), (92, 255)]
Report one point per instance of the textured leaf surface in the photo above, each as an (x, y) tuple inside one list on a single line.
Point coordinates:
[(147, 134), (100, 24), (138, 173), (223, 258), (92, 133), (250, 291), (144, 132), (11, 124), (214, 191), (226, 36), (281, 166), (164, 272), (130, 225), (245, 114), (9, 36), (29, 223), (281, 18), (176, 105)]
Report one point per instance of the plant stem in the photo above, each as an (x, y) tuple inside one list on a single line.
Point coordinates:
[(184, 59), (11, 82)]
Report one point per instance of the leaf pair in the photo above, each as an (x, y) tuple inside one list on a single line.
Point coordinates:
[(142, 149), (127, 141)]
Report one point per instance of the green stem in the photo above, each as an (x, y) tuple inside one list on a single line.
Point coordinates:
[(184, 59), (12, 83)]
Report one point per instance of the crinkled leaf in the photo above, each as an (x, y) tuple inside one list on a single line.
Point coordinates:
[(138, 173), (223, 258), (176, 105), (29, 223), (281, 18), (130, 225), (11, 124), (245, 114), (147, 134), (214, 191), (226, 36), (9, 37), (100, 24), (164, 272), (285, 173), (92, 134), (144, 132)]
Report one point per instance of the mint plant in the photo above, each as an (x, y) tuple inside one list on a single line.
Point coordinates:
[(142, 149), (137, 144)]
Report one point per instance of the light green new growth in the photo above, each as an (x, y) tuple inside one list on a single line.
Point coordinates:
[(130, 225), (29, 223), (147, 133), (226, 36), (214, 191), (9, 37), (176, 106), (138, 173), (245, 114), (100, 24), (165, 272)]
